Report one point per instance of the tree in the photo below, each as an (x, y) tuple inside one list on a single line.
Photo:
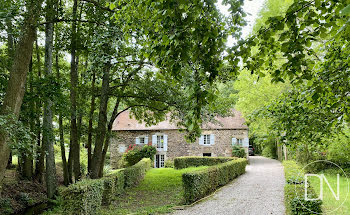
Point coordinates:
[(18, 74), (48, 136)]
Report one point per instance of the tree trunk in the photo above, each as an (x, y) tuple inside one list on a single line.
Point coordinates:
[(9, 162), (91, 116), (75, 147), (40, 161), (18, 75), (27, 156), (48, 136), (101, 128), (109, 133), (66, 179)]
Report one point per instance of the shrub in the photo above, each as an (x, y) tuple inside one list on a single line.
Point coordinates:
[(5, 206), (296, 203), (294, 174), (134, 174), (294, 192), (198, 184), (84, 197), (185, 162), (169, 164), (108, 189), (119, 181), (135, 153), (238, 151)]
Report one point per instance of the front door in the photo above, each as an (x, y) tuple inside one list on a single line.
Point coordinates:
[(159, 161)]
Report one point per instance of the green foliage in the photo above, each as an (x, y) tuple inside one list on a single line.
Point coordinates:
[(135, 173), (135, 153), (338, 150), (295, 202), (239, 152), (294, 174), (269, 150), (193, 161), (169, 164), (5, 206), (87, 196), (84, 197), (294, 191), (198, 184), (18, 133)]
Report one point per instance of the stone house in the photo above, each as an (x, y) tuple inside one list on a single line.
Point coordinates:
[(216, 139)]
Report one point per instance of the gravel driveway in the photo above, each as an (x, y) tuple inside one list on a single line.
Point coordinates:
[(259, 191)]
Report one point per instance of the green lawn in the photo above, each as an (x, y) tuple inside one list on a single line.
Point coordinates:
[(329, 202), (157, 193)]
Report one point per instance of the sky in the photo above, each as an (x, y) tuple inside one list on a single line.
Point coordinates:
[(252, 8)]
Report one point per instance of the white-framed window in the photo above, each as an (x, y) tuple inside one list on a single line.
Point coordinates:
[(240, 142), (159, 161), (141, 140), (160, 141), (207, 139)]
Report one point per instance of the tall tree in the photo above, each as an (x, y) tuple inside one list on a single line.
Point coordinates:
[(74, 153), (48, 136), (18, 74)]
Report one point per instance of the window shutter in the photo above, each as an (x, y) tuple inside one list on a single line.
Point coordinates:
[(137, 140), (154, 140), (246, 142), (146, 140), (234, 141), (201, 140), (165, 142), (212, 139)]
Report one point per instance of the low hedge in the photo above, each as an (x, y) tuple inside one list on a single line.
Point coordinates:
[(87, 196), (185, 162), (296, 203), (200, 183), (84, 197), (134, 174), (294, 190)]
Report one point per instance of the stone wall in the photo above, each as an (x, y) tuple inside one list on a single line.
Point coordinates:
[(177, 145)]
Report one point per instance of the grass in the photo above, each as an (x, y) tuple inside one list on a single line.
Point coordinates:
[(329, 202), (157, 193)]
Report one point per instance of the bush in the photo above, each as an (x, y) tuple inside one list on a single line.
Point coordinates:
[(198, 184), (84, 197), (169, 164), (296, 203), (134, 174), (87, 196), (238, 151), (294, 191), (185, 162), (294, 174), (5, 206), (135, 153)]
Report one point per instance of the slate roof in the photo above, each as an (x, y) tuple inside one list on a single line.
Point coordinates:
[(125, 122)]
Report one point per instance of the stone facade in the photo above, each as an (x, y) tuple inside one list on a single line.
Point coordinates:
[(176, 143)]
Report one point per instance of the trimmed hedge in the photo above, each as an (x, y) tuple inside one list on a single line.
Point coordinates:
[(294, 198), (84, 197), (200, 183), (87, 196), (295, 202), (134, 174), (185, 162)]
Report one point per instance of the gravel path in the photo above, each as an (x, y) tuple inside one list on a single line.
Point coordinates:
[(259, 191)]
